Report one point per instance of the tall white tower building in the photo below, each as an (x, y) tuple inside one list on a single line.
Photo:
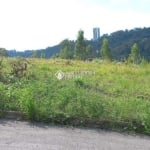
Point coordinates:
[(96, 33)]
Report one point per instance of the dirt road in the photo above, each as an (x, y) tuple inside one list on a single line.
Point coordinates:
[(17, 135)]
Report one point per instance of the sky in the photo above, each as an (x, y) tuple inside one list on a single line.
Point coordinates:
[(37, 24)]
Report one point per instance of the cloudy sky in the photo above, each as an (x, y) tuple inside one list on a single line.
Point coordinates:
[(35, 24)]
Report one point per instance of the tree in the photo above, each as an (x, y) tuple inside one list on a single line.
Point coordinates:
[(134, 57), (89, 52), (80, 46), (3, 52), (34, 54), (66, 49), (43, 55), (106, 50)]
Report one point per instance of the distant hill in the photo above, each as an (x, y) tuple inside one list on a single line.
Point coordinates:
[(120, 43), (49, 52)]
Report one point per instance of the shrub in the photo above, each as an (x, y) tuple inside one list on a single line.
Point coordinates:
[(19, 67)]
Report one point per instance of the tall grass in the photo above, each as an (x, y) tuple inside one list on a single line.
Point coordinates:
[(116, 95)]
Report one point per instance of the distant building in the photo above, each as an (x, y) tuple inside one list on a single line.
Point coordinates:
[(96, 33)]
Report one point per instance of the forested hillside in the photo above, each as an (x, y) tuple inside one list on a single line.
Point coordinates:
[(120, 43)]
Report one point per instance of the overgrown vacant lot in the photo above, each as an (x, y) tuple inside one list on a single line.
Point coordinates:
[(107, 95)]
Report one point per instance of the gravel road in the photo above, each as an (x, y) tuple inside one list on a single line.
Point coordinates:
[(21, 135)]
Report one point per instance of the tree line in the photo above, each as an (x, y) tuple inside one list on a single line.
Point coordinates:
[(81, 50), (120, 43)]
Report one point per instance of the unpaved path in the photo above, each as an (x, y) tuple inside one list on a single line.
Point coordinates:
[(17, 135)]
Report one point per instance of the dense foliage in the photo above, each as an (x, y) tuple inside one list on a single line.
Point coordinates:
[(121, 42), (134, 57), (3, 52), (67, 48), (80, 46), (106, 50)]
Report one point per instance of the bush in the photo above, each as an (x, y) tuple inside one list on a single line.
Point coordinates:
[(19, 67)]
